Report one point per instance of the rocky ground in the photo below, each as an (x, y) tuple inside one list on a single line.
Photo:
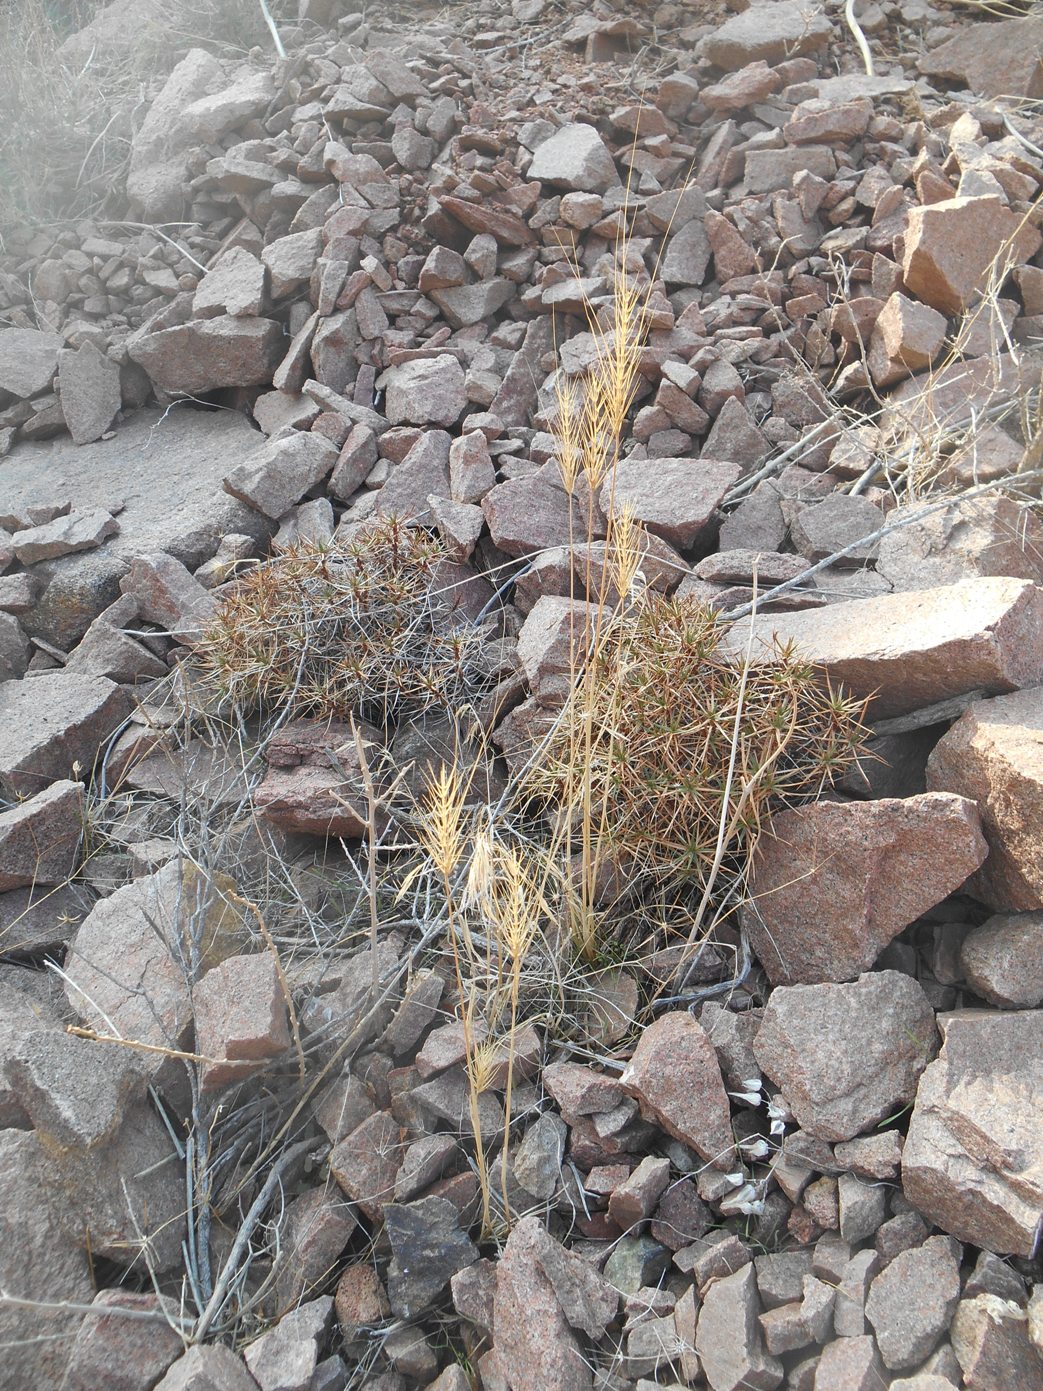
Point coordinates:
[(342, 288)]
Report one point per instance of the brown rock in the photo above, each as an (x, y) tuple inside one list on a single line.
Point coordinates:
[(950, 247), (973, 1157), (911, 1303), (994, 753), (1002, 960), (314, 783), (993, 60), (209, 353), (988, 535), (366, 1163), (728, 1337), (361, 1301), (51, 724), (673, 498), (990, 1337), (845, 1056), (241, 1019), (551, 646), (906, 338), (506, 227), (635, 1199), (914, 649), (121, 1352), (534, 1343), (471, 470), (89, 390), (834, 882), (40, 837), (676, 1078), (422, 474)]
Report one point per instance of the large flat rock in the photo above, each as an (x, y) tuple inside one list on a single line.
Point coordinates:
[(912, 650), (167, 470)]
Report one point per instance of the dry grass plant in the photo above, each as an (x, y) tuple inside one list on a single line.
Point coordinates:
[(66, 123)]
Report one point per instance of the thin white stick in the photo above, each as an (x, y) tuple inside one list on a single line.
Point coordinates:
[(271, 25), (860, 38)]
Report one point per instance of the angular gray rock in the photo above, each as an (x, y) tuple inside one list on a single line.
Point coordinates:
[(973, 1157), (89, 391), (28, 360), (209, 353), (76, 531), (40, 837), (845, 1056), (428, 1249), (280, 472), (53, 725), (39, 1261), (912, 1301), (128, 966), (426, 391), (575, 157)]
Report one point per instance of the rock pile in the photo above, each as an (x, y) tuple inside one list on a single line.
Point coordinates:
[(349, 284)]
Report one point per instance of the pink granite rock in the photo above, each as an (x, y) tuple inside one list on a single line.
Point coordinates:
[(832, 883), (676, 1078), (994, 754)]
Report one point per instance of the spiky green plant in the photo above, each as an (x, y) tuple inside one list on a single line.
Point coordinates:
[(361, 628), (685, 740)]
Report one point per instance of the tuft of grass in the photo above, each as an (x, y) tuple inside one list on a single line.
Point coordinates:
[(67, 117), (350, 629)]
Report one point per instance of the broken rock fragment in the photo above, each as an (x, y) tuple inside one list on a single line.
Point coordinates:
[(676, 1078), (915, 649), (279, 473), (845, 1056), (40, 837), (52, 724), (832, 883), (241, 1018), (994, 754), (973, 1158), (534, 1344), (575, 157), (728, 1336), (951, 245), (209, 353), (1002, 960)]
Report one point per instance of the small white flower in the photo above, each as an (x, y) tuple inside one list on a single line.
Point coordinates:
[(752, 1084), (736, 1180), (751, 1098), (756, 1149)]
